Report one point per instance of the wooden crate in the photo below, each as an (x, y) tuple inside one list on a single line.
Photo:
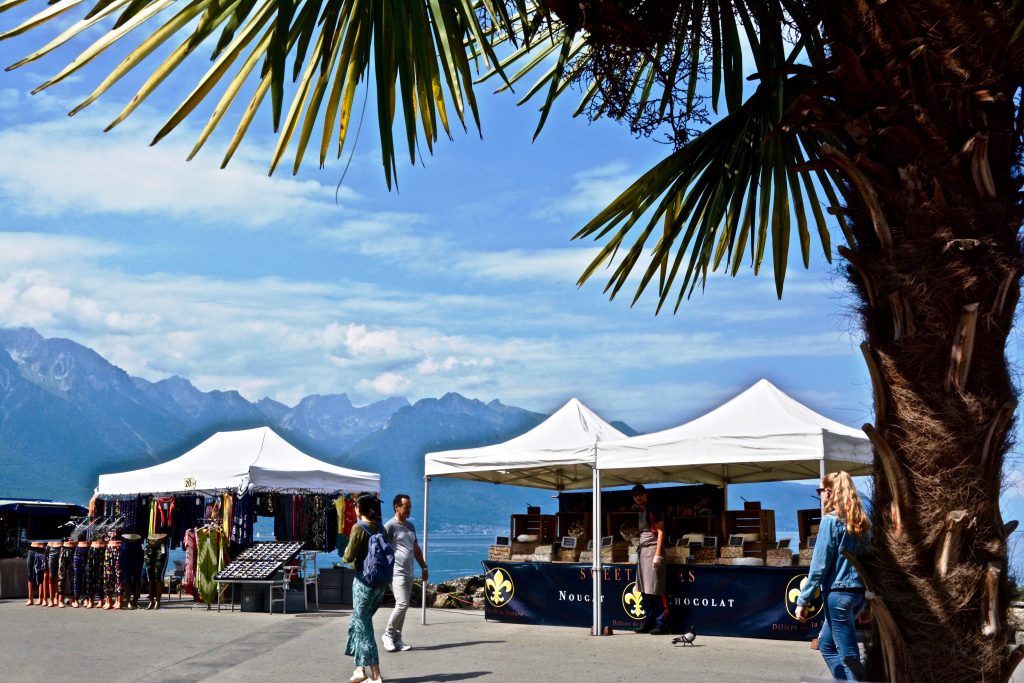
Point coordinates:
[(542, 526), (807, 522), (757, 522), (614, 521), (569, 524), (499, 552), (679, 526)]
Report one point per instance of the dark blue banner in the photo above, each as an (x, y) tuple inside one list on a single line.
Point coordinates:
[(747, 602)]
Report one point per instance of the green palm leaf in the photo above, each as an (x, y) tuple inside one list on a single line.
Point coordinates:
[(422, 54), (730, 192)]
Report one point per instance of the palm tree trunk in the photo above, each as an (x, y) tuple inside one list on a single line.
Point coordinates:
[(932, 148)]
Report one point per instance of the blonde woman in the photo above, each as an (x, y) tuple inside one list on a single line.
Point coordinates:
[(844, 526)]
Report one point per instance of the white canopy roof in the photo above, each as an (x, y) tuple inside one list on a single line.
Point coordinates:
[(232, 460), (760, 435), (556, 454)]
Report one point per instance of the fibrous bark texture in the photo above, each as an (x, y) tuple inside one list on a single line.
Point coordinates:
[(918, 106), (931, 86)]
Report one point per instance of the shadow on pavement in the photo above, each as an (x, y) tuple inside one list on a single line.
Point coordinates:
[(445, 646), (443, 677)]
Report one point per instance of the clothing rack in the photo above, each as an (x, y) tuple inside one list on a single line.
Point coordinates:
[(213, 493), (80, 526), (108, 524)]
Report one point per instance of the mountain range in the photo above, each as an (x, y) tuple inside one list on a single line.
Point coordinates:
[(67, 415)]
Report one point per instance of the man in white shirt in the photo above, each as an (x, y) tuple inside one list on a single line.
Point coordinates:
[(402, 536)]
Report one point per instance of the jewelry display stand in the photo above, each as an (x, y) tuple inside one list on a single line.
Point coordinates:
[(262, 565)]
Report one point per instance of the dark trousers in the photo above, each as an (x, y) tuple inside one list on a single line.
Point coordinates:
[(79, 563), (655, 611)]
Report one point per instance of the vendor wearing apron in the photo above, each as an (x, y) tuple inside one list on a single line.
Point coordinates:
[(650, 567)]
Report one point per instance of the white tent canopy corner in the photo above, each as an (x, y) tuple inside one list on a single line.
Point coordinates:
[(235, 459), (559, 453), (760, 435)]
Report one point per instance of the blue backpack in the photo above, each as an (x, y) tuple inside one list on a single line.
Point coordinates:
[(379, 565)]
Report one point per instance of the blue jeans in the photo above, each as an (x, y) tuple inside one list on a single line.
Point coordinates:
[(838, 637)]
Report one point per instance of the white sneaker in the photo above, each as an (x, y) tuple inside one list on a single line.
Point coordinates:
[(402, 645), (389, 643)]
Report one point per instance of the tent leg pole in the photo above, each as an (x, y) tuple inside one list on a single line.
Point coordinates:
[(423, 585), (596, 565), (725, 487), (821, 475)]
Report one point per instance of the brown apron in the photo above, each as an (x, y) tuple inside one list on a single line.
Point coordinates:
[(648, 579)]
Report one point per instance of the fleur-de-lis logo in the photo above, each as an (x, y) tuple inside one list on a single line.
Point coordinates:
[(632, 601), (793, 590), (499, 588)]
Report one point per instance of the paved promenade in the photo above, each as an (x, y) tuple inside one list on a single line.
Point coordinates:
[(182, 643)]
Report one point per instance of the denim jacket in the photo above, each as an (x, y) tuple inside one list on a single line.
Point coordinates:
[(829, 569)]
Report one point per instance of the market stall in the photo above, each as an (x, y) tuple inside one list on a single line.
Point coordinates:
[(761, 435), (558, 454), (207, 499)]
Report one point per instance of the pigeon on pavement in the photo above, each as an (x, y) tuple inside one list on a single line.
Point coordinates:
[(687, 638)]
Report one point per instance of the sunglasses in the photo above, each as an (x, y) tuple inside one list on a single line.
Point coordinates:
[(821, 491)]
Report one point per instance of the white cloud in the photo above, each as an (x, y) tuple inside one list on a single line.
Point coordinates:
[(592, 190), (360, 341), (386, 384), (60, 168), (548, 265), (28, 248)]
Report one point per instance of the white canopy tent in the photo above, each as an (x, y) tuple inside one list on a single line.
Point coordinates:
[(234, 460), (557, 454), (761, 435)]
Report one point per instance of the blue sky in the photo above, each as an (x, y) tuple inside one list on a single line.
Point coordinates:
[(463, 280)]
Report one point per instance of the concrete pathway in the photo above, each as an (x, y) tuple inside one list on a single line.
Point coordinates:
[(184, 643)]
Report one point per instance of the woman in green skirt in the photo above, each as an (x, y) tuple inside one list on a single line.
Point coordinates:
[(365, 598)]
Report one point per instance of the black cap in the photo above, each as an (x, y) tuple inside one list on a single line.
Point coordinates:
[(639, 488)]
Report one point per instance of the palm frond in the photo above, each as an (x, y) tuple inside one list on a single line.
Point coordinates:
[(707, 44), (422, 55), (732, 191)]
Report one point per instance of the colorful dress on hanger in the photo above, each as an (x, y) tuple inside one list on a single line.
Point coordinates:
[(188, 582), (209, 561)]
